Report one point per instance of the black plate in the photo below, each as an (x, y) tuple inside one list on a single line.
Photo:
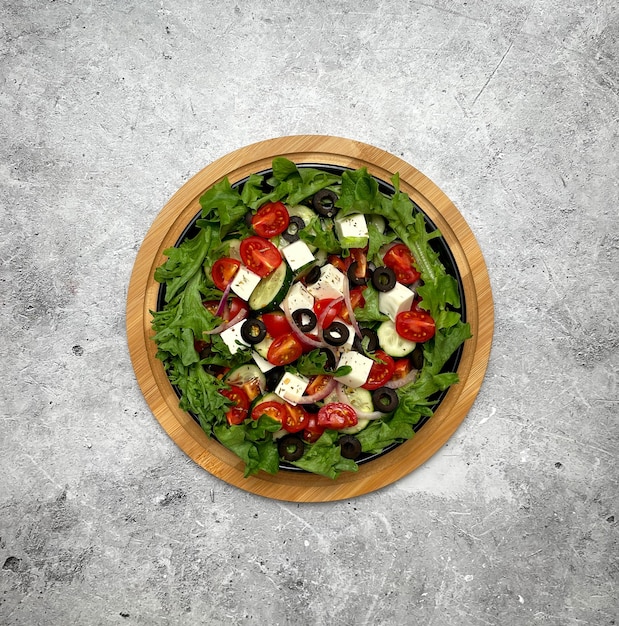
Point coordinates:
[(438, 244)]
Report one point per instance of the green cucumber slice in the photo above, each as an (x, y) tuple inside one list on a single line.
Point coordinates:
[(249, 378), (272, 289), (391, 342)]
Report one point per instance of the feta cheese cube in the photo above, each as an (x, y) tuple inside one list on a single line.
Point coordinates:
[(261, 362), (361, 366), (244, 282), (329, 285), (299, 297), (231, 336), (399, 299), (352, 230), (297, 254), (291, 387)]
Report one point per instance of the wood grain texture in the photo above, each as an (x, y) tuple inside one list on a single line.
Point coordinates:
[(292, 485)]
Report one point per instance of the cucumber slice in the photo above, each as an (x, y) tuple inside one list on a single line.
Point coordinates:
[(234, 249), (302, 211), (272, 289), (249, 378), (262, 348), (391, 342), (361, 399)]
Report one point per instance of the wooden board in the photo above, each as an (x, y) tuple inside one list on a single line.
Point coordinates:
[(292, 485)]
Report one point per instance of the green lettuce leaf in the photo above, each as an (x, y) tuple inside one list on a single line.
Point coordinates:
[(323, 457)]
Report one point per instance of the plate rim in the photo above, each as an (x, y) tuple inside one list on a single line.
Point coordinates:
[(295, 486)]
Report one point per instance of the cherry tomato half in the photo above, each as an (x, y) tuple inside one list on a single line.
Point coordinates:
[(260, 255), (240, 404), (356, 300), (274, 409), (415, 325), (337, 415), (340, 263), (317, 384), (235, 306), (319, 308), (402, 367), (270, 220), (381, 372), (313, 430), (223, 271), (284, 350), (276, 323), (401, 261), (295, 419)]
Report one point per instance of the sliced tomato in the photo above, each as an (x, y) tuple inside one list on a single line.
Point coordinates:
[(402, 367), (271, 219), (223, 271), (356, 300), (359, 256), (235, 306), (401, 261), (274, 409), (240, 404), (382, 370), (317, 384), (260, 255), (340, 263), (276, 323), (415, 325), (284, 350), (337, 415), (313, 430), (319, 308), (295, 419)]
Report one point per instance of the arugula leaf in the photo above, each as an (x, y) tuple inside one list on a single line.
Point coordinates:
[(370, 311), (376, 241), (321, 235), (324, 457), (314, 362)]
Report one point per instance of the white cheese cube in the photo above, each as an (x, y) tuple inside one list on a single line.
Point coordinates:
[(244, 282), (399, 299), (261, 362), (352, 230), (361, 366), (291, 387), (329, 285), (297, 254), (232, 335), (299, 297)]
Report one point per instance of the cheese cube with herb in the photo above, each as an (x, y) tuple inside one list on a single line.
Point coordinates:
[(244, 282), (231, 336), (361, 366), (398, 299), (261, 362), (297, 254), (329, 285), (299, 298), (291, 387), (352, 230)]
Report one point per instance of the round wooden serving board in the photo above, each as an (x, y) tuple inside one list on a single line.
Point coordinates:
[(294, 485)]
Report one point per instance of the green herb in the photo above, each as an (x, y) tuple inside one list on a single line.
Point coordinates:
[(314, 364)]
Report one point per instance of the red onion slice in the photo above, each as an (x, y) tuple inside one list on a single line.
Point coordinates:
[(241, 315), (342, 397), (299, 334), (400, 382), (351, 314), (223, 303), (319, 395)]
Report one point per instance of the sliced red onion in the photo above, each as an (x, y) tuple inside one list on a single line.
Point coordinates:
[(351, 314), (223, 303), (342, 397), (400, 382), (241, 315), (319, 395), (299, 334)]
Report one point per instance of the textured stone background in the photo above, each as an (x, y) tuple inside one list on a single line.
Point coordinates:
[(107, 108)]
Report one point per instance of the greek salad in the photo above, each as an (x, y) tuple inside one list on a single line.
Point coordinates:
[(306, 320)]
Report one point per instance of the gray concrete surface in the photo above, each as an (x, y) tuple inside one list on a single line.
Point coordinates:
[(107, 108)]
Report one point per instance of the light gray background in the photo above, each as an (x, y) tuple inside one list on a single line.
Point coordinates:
[(109, 107)]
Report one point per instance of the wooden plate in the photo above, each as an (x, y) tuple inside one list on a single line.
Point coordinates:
[(293, 485)]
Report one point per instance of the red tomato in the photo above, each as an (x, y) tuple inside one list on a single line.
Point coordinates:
[(240, 404), (401, 368), (235, 306), (340, 263), (295, 419), (358, 256), (319, 308), (415, 325), (260, 255), (223, 271), (276, 323), (401, 261), (337, 415), (270, 220), (312, 430), (381, 372), (272, 408), (356, 299), (284, 349), (317, 384)]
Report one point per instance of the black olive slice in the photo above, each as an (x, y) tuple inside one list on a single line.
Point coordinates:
[(305, 319), (253, 331), (273, 376), (350, 446), (368, 341), (336, 334), (248, 217), (353, 278), (324, 203), (383, 279), (290, 448), (291, 233), (312, 276), (417, 356), (385, 399)]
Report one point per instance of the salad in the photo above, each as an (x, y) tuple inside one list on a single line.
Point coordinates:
[(305, 320)]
